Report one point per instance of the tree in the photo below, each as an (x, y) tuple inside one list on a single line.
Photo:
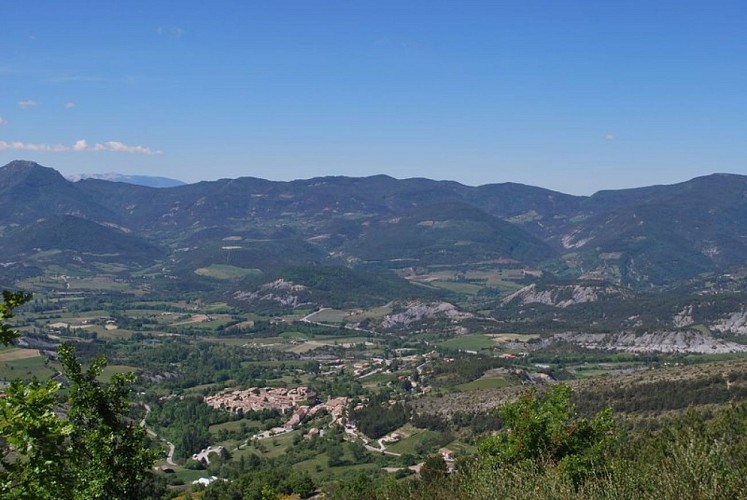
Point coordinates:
[(11, 301), (110, 453), (545, 430), (359, 452), (34, 451), (94, 451), (334, 454), (434, 468)]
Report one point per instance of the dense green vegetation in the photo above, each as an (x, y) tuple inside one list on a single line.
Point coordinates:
[(184, 350), (680, 235), (378, 419), (362, 288), (549, 452), (95, 451), (394, 296)]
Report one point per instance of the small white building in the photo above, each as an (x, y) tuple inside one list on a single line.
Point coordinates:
[(206, 480)]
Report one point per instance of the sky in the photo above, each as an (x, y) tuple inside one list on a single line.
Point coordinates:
[(575, 96)]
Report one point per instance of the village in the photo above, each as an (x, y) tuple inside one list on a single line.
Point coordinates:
[(299, 403)]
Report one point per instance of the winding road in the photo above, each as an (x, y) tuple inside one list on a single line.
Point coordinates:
[(170, 455)]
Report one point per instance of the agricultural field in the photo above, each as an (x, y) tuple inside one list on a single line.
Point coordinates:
[(448, 383), (226, 272), (470, 343), (12, 354), (25, 368)]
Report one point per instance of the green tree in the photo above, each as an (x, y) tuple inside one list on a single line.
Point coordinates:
[(11, 300), (546, 430), (359, 452), (34, 450), (110, 453), (334, 454), (94, 451), (434, 468)]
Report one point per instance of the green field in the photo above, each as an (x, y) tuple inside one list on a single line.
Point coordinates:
[(379, 378), (353, 338), (469, 342), (226, 272), (458, 287), (116, 334), (320, 462), (234, 341), (330, 316), (414, 438), (307, 346), (518, 337), (110, 370), (471, 282), (189, 475), (25, 369), (235, 425), (274, 446), (293, 335), (485, 383), (99, 283)]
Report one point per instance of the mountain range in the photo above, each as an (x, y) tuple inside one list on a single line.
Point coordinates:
[(646, 238), (140, 180)]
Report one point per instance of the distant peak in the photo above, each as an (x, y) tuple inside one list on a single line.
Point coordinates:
[(32, 171), (22, 165), (140, 180)]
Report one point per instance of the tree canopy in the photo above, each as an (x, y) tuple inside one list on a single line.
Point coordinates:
[(11, 300), (81, 445), (547, 430)]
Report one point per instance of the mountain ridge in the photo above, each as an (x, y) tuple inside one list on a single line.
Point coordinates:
[(140, 180), (654, 236)]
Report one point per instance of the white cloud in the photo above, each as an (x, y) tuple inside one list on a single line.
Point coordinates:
[(609, 137), (29, 103), (3, 121), (79, 146), (25, 146), (119, 147), (172, 31), (69, 105)]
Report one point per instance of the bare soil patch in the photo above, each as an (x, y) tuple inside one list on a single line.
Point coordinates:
[(15, 354)]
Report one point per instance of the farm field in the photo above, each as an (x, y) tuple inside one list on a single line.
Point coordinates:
[(226, 272), (469, 343), (14, 354), (185, 349), (25, 368)]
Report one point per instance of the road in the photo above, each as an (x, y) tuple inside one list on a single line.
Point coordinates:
[(308, 317), (381, 449), (170, 455)]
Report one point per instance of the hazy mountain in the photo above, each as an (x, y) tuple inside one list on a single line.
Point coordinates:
[(140, 180)]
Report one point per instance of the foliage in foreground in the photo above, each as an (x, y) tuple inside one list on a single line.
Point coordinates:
[(94, 451), (546, 431), (11, 300), (689, 457)]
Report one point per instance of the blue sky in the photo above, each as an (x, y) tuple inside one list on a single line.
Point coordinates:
[(575, 96)]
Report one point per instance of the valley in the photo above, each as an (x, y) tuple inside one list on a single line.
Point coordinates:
[(317, 330)]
